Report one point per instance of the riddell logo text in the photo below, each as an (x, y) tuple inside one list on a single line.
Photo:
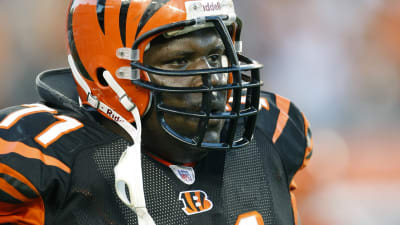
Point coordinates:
[(212, 7), (111, 114)]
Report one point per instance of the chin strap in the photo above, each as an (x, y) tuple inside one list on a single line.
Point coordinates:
[(128, 171)]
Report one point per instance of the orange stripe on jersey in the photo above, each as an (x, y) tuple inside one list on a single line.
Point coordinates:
[(31, 211), (32, 153), (9, 189), (11, 172), (283, 105)]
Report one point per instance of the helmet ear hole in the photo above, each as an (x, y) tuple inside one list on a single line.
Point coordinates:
[(100, 78)]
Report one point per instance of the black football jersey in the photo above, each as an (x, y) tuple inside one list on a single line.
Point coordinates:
[(57, 161)]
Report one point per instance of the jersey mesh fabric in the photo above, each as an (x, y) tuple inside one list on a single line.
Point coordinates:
[(245, 187), (245, 184), (159, 189), (106, 157)]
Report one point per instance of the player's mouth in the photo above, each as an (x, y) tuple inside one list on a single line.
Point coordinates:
[(188, 126)]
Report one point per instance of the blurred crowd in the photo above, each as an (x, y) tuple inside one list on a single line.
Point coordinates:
[(31, 40), (339, 61)]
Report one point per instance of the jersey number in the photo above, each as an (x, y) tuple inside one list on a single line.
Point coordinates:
[(55, 131), (250, 218)]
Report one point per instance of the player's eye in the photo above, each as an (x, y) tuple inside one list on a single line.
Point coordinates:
[(176, 63), (214, 60)]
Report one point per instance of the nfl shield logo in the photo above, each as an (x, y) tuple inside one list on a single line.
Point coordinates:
[(184, 173)]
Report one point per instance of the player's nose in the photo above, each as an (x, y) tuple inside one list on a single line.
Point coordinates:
[(216, 79)]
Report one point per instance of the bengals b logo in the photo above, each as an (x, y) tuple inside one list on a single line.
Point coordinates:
[(195, 202)]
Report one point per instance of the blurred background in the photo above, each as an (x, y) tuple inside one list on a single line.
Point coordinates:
[(339, 61)]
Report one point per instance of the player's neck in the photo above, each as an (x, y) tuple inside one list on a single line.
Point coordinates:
[(115, 128)]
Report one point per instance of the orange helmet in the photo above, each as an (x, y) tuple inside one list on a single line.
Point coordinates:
[(112, 35)]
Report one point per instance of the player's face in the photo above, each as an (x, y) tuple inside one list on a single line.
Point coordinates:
[(197, 50)]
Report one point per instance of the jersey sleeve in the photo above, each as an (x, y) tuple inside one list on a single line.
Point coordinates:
[(288, 129), (290, 132), (33, 172)]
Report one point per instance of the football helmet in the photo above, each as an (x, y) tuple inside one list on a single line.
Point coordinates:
[(113, 35)]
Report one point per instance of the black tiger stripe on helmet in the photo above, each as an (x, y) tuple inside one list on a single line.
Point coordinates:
[(72, 45), (153, 7), (100, 8)]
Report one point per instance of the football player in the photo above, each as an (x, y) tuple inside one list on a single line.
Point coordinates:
[(159, 120)]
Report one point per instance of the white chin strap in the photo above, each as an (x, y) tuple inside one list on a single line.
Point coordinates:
[(128, 171)]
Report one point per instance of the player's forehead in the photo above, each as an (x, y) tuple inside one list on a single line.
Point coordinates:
[(198, 43), (203, 36)]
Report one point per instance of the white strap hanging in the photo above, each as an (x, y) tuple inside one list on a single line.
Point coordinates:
[(128, 171)]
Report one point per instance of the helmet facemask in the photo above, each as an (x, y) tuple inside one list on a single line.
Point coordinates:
[(233, 77)]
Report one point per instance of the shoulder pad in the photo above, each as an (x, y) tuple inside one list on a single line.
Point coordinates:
[(58, 87), (38, 145), (54, 131), (287, 128)]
